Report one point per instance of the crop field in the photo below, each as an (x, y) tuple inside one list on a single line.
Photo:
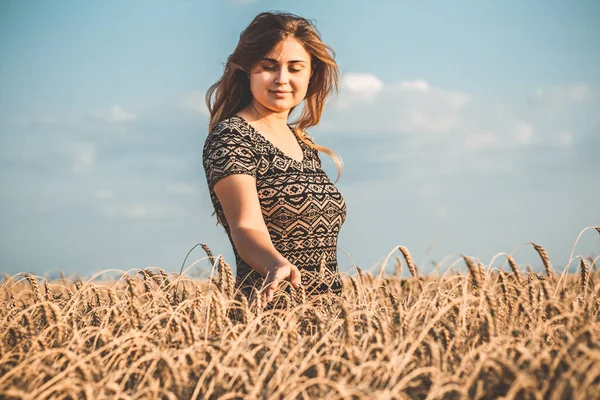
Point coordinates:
[(501, 331)]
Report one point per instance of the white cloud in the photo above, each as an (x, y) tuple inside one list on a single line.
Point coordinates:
[(357, 88), (144, 211), (365, 103), (81, 155), (572, 94), (138, 211), (112, 114), (118, 114), (480, 141), (366, 84), (417, 86), (440, 210), (565, 139), (26, 120), (194, 101), (523, 132)]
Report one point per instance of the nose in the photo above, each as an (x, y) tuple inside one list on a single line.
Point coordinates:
[(282, 77)]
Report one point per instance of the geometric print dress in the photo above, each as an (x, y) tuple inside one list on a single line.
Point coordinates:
[(301, 207)]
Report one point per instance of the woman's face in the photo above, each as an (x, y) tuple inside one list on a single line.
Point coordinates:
[(289, 73)]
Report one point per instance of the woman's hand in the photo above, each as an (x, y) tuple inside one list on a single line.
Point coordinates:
[(275, 275)]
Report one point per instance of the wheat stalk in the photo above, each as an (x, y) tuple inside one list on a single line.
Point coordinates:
[(545, 259), (398, 267), (37, 293), (585, 275), (409, 263), (474, 272), (112, 341), (514, 267)]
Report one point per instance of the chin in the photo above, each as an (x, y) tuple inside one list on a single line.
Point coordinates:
[(281, 105)]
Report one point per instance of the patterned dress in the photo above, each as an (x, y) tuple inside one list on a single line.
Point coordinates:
[(302, 208)]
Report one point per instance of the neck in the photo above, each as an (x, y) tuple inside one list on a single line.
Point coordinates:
[(274, 121)]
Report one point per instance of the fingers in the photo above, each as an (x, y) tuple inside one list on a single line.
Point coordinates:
[(273, 280), (296, 277), (265, 292), (270, 290)]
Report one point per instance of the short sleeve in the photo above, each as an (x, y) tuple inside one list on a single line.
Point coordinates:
[(227, 151)]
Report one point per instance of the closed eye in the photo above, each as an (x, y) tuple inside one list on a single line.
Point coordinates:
[(274, 68)]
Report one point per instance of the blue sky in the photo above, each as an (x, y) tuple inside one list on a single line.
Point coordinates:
[(465, 127)]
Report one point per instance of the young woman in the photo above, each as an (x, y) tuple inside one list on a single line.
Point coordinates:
[(279, 209)]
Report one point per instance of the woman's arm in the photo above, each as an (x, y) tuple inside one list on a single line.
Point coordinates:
[(256, 248)]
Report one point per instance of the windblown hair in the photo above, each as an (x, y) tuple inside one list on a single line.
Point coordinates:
[(265, 33)]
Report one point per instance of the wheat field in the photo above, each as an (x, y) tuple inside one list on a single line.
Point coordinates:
[(486, 333)]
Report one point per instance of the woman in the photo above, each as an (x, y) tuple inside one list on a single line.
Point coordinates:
[(279, 209)]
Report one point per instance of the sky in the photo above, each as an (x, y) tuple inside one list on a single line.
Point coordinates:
[(465, 128)]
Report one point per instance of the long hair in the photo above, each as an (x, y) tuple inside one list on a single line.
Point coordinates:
[(265, 32)]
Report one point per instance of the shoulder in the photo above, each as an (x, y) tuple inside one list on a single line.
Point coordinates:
[(229, 126), (229, 131)]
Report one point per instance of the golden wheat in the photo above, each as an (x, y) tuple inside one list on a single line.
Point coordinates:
[(157, 335), (545, 259), (409, 263)]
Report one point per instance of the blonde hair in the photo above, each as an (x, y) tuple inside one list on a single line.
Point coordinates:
[(265, 32)]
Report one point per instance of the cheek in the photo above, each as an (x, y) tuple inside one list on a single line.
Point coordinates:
[(259, 83), (303, 81), (302, 85)]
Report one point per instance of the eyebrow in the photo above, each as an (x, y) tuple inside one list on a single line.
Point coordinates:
[(289, 62)]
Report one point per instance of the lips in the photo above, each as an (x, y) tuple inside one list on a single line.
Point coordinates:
[(279, 91)]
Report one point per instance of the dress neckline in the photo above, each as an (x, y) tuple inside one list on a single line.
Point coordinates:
[(275, 148)]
